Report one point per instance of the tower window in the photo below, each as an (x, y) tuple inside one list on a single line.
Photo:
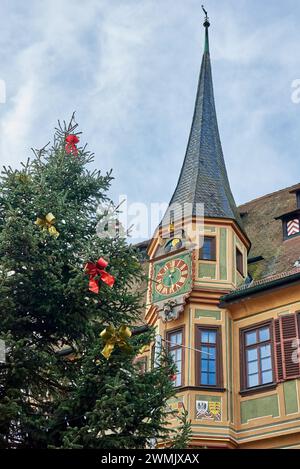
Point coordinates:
[(208, 250), (239, 262), (208, 358), (175, 348)]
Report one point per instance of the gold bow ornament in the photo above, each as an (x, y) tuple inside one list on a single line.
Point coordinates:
[(115, 337), (47, 224)]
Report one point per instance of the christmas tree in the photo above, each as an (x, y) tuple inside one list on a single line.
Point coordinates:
[(68, 306)]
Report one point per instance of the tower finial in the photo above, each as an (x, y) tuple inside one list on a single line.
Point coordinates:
[(206, 23)]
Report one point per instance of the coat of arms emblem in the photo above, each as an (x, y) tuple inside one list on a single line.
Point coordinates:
[(210, 410)]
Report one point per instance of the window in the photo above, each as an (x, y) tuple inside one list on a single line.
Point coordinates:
[(208, 250), (208, 356), (175, 341), (239, 262), (291, 227), (257, 360)]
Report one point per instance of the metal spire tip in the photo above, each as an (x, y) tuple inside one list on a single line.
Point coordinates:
[(206, 23)]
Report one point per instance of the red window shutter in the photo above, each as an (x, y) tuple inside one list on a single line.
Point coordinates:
[(286, 337)]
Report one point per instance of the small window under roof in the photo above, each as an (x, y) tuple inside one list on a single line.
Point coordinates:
[(290, 224)]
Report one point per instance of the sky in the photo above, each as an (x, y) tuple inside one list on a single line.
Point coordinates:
[(129, 68)]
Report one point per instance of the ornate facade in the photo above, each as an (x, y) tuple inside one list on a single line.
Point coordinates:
[(228, 309)]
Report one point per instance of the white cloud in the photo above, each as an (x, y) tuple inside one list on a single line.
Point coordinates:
[(130, 69), (17, 124)]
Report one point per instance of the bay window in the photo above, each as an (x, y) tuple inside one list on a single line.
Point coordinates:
[(208, 356)]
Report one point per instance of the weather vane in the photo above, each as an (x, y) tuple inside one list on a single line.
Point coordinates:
[(206, 21)]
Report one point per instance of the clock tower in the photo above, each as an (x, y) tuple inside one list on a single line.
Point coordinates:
[(194, 259)]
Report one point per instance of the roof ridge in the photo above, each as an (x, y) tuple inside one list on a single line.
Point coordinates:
[(269, 195), (270, 278)]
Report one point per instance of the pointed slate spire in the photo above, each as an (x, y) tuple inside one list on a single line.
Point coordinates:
[(203, 177)]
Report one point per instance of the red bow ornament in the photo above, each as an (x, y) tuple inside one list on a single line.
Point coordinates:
[(97, 272), (72, 140)]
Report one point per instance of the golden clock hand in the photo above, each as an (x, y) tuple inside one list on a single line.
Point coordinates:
[(171, 278)]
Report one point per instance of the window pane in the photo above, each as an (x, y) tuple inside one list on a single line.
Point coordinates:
[(266, 364), (176, 355), (212, 353), (208, 337), (253, 367), (175, 338), (253, 380), (179, 338), (264, 334), (252, 354), (265, 351), (212, 379), (204, 365), (205, 353), (207, 249), (212, 335), (178, 366), (212, 366), (172, 339), (204, 378), (251, 338), (204, 337), (267, 377)]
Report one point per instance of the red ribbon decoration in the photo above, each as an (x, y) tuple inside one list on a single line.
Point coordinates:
[(70, 147), (97, 270)]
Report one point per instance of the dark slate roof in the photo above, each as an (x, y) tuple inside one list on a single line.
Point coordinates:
[(264, 229), (203, 177)]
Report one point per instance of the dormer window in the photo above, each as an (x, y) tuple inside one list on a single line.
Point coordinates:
[(291, 224), (292, 227), (291, 220)]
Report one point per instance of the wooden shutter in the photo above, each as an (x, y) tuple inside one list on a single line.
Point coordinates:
[(278, 351), (285, 333)]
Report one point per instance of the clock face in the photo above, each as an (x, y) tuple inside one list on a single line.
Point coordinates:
[(171, 277)]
